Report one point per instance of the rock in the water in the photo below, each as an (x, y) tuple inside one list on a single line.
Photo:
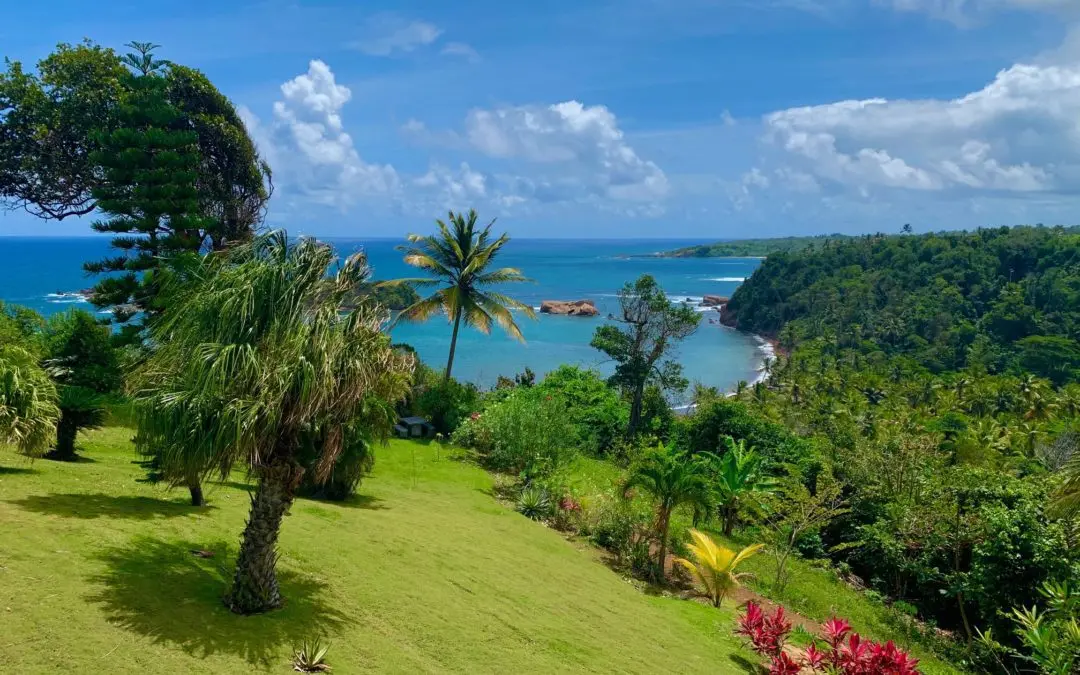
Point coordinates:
[(569, 307), (714, 300)]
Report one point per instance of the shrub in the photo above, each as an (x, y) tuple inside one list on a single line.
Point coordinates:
[(595, 410), (621, 527), (844, 651), (445, 403), (526, 433), (714, 566)]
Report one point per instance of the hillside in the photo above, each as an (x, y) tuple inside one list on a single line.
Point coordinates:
[(998, 299), (751, 248), (425, 573)]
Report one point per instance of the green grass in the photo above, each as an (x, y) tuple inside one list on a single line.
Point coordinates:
[(425, 573)]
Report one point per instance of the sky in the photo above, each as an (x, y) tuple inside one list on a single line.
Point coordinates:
[(703, 119)]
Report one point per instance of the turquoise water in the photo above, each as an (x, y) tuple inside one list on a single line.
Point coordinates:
[(34, 271)]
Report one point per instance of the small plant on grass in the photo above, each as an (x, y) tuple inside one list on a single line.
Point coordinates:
[(844, 652), (534, 502), (713, 567), (311, 657)]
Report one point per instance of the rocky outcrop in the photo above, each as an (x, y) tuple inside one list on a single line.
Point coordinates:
[(569, 307), (714, 300), (728, 318)]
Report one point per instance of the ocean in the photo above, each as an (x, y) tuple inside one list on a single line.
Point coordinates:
[(37, 272)]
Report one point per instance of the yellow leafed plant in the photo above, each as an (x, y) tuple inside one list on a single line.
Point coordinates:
[(714, 566)]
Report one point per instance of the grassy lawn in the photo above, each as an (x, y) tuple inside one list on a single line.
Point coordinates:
[(424, 573)]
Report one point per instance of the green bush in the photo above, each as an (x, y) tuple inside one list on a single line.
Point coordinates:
[(622, 527), (525, 433), (595, 410), (444, 403), (534, 502)]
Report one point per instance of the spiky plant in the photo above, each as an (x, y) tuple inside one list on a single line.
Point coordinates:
[(311, 657), (534, 502), (459, 256), (257, 363), (28, 409), (714, 566)]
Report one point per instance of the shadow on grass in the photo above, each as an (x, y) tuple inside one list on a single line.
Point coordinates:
[(76, 459), (161, 591), (237, 485), (745, 664), (106, 506), (367, 502), (16, 470)]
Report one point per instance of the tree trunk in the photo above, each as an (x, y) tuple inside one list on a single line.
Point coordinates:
[(635, 411), (255, 586), (453, 344), (663, 526), (195, 488), (729, 520), (66, 431)]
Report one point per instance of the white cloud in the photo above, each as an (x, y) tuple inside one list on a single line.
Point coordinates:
[(462, 50), (308, 147), (586, 149), (1019, 134), (388, 34), (456, 190)]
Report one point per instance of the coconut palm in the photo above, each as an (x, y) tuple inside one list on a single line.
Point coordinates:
[(740, 476), (714, 566), (28, 401), (672, 478), (459, 256), (259, 364)]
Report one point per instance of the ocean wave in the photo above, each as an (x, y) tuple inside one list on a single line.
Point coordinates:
[(66, 298), (724, 279)]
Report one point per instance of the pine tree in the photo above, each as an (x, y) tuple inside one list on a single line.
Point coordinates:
[(148, 196)]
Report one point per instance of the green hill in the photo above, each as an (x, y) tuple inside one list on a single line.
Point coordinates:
[(425, 573), (751, 248)]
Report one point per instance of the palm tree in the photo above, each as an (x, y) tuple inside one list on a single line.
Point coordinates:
[(28, 401), (259, 364), (714, 566), (459, 256), (739, 478), (672, 478)]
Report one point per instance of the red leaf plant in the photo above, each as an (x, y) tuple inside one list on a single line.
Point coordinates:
[(847, 653)]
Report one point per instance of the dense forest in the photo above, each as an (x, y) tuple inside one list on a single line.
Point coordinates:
[(751, 248), (935, 378)]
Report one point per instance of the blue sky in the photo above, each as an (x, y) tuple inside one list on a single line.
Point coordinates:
[(628, 118)]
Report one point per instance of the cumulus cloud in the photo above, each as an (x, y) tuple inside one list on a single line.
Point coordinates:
[(587, 155), (388, 34), (308, 147), (1019, 134)]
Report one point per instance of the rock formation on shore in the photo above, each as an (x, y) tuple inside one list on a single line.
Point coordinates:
[(714, 300), (569, 307)]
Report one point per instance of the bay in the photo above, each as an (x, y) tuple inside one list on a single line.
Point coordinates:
[(36, 272)]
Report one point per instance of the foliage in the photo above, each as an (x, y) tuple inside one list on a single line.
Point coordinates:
[(1051, 638), (646, 330), (740, 477), (311, 657), (596, 412), (673, 479), (714, 566), (148, 195), (459, 256), (745, 248), (525, 433), (257, 365), (394, 297), (28, 401), (354, 463), (718, 419), (845, 651), (445, 402), (79, 90), (534, 502)]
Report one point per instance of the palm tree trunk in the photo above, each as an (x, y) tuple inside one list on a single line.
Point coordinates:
[(255, 586), (195, 488), (66, 431), (729, 519), (453, 343), (664, 526)]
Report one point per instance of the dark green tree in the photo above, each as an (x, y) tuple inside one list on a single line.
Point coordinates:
[(80, 356), (648, 327)]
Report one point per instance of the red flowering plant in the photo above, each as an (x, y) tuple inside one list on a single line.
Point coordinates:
[(846, 652)]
